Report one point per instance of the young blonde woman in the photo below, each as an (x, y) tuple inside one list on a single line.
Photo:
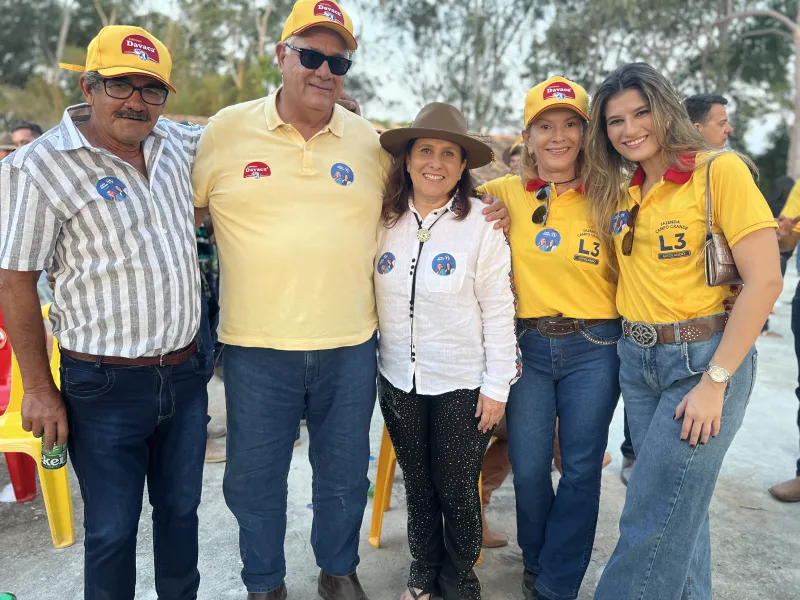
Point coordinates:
[(687, 367), (568, 327)]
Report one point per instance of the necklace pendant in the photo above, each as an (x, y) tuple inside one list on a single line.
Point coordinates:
[(423, 235)]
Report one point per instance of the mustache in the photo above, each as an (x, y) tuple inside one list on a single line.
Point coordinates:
[(136, 115)]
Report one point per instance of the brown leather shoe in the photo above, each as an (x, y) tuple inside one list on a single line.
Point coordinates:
[(490, 538), (216, 429), (340, 588), (788, 491), (279, 593), (215, 451)]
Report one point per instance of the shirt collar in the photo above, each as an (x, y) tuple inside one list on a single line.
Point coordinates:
[(675, 173), (535, 184), (335, 125), (70, 137), (453, 206)]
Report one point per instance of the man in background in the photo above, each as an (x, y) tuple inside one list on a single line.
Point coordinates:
[(709, 114), (24, 133)]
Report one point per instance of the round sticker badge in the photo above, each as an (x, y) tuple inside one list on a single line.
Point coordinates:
[(386, 263), (342, 174), (111, 188), (548, 240), (618, 222), (443, 264)]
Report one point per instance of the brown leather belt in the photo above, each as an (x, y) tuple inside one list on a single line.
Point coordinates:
[(646, 335), (557, 327), (165, 360)]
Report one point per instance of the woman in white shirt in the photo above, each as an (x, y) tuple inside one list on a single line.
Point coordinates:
[(448, 351)]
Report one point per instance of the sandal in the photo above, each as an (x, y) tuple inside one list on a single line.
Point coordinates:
[(415, 595)]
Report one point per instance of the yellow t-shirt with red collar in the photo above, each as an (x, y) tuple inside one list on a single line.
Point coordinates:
[(560, 267), (663, 280), (792, 207)]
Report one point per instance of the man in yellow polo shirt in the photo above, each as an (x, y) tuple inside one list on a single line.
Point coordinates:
[(294, 185)]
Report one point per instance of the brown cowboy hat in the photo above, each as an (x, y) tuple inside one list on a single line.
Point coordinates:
[(442, 122)]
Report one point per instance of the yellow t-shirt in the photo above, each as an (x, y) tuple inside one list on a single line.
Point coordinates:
[(560, 268), (295, 222), (663, 280), (792, 207)]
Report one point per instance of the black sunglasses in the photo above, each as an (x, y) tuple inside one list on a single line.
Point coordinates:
[(542, 212), (121, 89), (627, 240), (313, 59)]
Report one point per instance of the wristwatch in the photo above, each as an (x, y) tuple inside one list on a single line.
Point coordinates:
[(718, 374)]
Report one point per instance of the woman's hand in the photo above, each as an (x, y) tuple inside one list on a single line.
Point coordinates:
[(490, 412), (701, 410), (496, 211)]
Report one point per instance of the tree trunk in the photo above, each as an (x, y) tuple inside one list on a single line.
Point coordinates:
[(66, 21), (793, 163)]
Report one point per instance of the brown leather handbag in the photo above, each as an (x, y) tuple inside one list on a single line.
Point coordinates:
[(720, 266)]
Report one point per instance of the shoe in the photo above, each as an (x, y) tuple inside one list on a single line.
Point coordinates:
[(788, 491), (627, 469), (340, 588), (528, 586), (278, 593), (490, 538), (215, 451), (216, 429), (606, 460)]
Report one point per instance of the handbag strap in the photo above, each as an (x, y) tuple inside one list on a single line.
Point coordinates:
[(709, 199)]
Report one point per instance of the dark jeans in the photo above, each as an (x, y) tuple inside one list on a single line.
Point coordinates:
[(627, 445), (128, 425), (440, 450), (266, 391), (574, 378), (207, 335), (796, 332)]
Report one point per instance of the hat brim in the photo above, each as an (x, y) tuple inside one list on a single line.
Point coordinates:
[(119, 72), (582, 114), (349, 39), (479, 154), (10, 147)]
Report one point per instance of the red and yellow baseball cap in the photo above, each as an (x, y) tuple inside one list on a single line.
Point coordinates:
[(123, 50), (320, 13), (556, 91)]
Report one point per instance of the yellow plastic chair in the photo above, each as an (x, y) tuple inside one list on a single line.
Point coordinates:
[(381, 502), (54, 483)]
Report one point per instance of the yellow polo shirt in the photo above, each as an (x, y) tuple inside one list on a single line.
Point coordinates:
[(792, 207), (663, 280), (560, 268), (295, 223)]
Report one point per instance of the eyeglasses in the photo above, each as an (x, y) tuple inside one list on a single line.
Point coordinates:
[(122, 90), (313, 59), (627, 241), (542, 212)]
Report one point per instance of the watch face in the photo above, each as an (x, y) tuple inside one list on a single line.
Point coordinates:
[(718, 374)]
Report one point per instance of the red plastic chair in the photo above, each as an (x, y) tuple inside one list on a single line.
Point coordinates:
[(21, 467)]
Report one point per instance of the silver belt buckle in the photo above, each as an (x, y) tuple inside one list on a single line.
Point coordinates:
[(644, 334)]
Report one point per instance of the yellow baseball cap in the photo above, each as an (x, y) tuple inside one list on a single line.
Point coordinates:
[(319, 13), (556, 91), (123, 50)]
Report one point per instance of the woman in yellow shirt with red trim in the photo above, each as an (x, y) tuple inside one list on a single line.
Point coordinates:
[(687, 366), (568, 327)]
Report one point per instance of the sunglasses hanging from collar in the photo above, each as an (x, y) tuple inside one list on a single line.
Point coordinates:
[(543, 194)]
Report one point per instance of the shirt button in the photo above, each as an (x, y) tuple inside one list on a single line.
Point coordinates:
[(413, 360), (413, 260)]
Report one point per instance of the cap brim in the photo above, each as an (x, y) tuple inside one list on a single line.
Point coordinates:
[(349, 39), (582, 114), (478, 153)]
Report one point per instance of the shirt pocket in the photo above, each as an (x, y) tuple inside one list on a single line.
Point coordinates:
[(676, 238), (585, 249), (446, 272)]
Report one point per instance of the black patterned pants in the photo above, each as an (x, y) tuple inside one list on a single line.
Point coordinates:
[(440, 451)]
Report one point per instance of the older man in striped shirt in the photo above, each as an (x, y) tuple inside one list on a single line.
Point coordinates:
[(105, 198)]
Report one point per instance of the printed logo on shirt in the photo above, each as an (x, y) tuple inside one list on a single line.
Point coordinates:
[(548, 240), (330, 11), (386, 263), (559, 91), (342, 174), (444, 264), (618, 222), (671, 236), (111, 188), (141, 47), (588, 250), (257, 170)]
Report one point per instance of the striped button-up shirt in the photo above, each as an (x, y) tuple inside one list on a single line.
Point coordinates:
[(120, 245)]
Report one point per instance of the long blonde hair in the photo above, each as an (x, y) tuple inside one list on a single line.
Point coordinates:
[(606, 172)]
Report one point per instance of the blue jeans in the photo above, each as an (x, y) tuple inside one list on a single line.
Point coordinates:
[(796, 332), (266, 391), (664, 549), (128, 425), (576, 380)]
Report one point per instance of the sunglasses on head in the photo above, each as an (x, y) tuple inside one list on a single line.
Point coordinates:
[(627, 241), (540, 214), (313, 59)]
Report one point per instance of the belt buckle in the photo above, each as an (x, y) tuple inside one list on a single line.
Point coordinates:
[(161, 360), (644, 334)]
